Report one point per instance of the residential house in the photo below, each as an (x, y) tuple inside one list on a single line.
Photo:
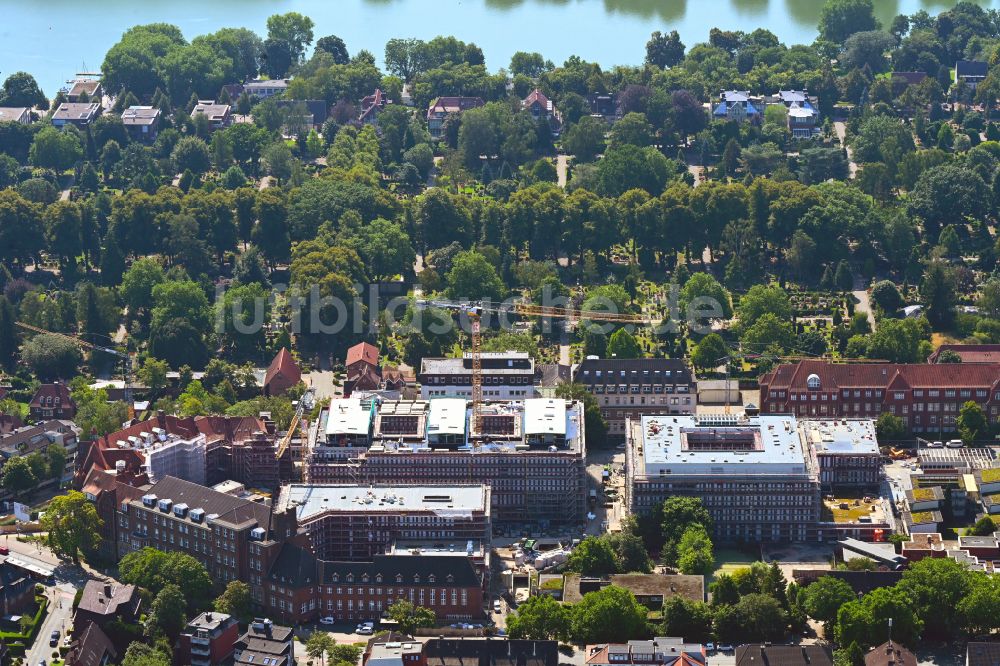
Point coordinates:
[(604, 105), (9, 423), (783, 655), (52, 401), (490, 652), (17, 590), (209, 639), (79, 114), (803, 117), (371, 105), (388, 651), (282, 374), (36, 438), (968, 353), (363, 370), (627, 389), (85, 90), (142, 122), (20, 115), (890, 654), (662, 651), (90, 646), (971, 73), (738, 106), (541, 107), (982, 653), (220, 116), (442, 107), (927, 397), (312, 112), (262, 89), (548, 377), (103, 602), (262, 641)]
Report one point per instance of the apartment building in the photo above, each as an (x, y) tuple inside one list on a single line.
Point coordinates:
[(927, 397), (531, 453), (751, 474), (507, 375), (352, 522), (52, 401), (208, 639), (235, 538), (628, 389), (264, 640), (844, 452)]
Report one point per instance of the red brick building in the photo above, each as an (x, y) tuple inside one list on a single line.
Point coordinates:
[(927, 397), (301, 588), (208, 639), (52, 401), (282, 374)]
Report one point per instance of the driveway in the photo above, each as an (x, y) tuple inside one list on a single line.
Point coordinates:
[(562, 169), (862, 302), (841, 130)]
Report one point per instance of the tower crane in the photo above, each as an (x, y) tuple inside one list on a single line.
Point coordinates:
[(305, 402), (125, 357), (474, 311)]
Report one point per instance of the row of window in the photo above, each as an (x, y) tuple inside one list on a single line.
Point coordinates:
[(878, 393)]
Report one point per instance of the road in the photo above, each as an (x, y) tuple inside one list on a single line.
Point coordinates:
[(59, 617), (841, 130), (863, 303), (562, 169)]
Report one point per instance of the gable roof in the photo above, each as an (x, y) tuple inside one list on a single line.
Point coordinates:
[(283, 366), (70, 111), (91, 647), (969, 353), (363, 351), (890, 654), (454, 104), (490, 652), (783, 655), (899, 375), (9, 423), (107, 599), (537, 97), (14, 113), (971, 68), (52, 396)]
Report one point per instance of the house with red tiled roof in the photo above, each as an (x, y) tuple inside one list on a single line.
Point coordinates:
[(9, 423), (443, 107), (52, 401), (968, 353), (540, 106), (363, 370), (371, 106), (282, 374), (927, 397)]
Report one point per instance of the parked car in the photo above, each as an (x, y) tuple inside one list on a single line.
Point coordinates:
[(725, 648), (54, 638), (496, 606), (4, 550), (366, 629), (329, 619), (710, 647)]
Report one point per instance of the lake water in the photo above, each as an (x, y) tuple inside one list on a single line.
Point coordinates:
[(54, 39)]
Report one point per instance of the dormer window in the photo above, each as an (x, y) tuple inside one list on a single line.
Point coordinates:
[(431, 578), (450, 578), (416, 578), (350, 578), (378, 578), (399, 578), (364, 578), (335, 578)]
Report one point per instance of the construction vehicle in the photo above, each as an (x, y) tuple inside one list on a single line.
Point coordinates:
[(125, 357), (898, 454)]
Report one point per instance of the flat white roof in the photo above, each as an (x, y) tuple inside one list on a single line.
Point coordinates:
[(544, 416), (842, 437), (447, 416), (312, 501), (348, 417), (717, 444)]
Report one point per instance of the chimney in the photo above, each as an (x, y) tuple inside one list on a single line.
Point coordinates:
[(107, 590)]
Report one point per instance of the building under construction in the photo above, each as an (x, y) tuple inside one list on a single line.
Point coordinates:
[(531, 452)]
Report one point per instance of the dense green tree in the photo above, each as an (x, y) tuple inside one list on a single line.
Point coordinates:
[(623, 344), (72, 525), (823, 599), (938, 292), (141, 654), (840, 19), (472, 276), (51, 356), (611, 614), (890, 427), (56, 149), (21, 89), (972, 423), (886, 296), (755, 618), (585, 139), (865, 621), (167, 613), (409, 617), (676, 515), (710, 352), (235, 600), (539, 618), (664, 50), (690, 619), (695, 551)]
